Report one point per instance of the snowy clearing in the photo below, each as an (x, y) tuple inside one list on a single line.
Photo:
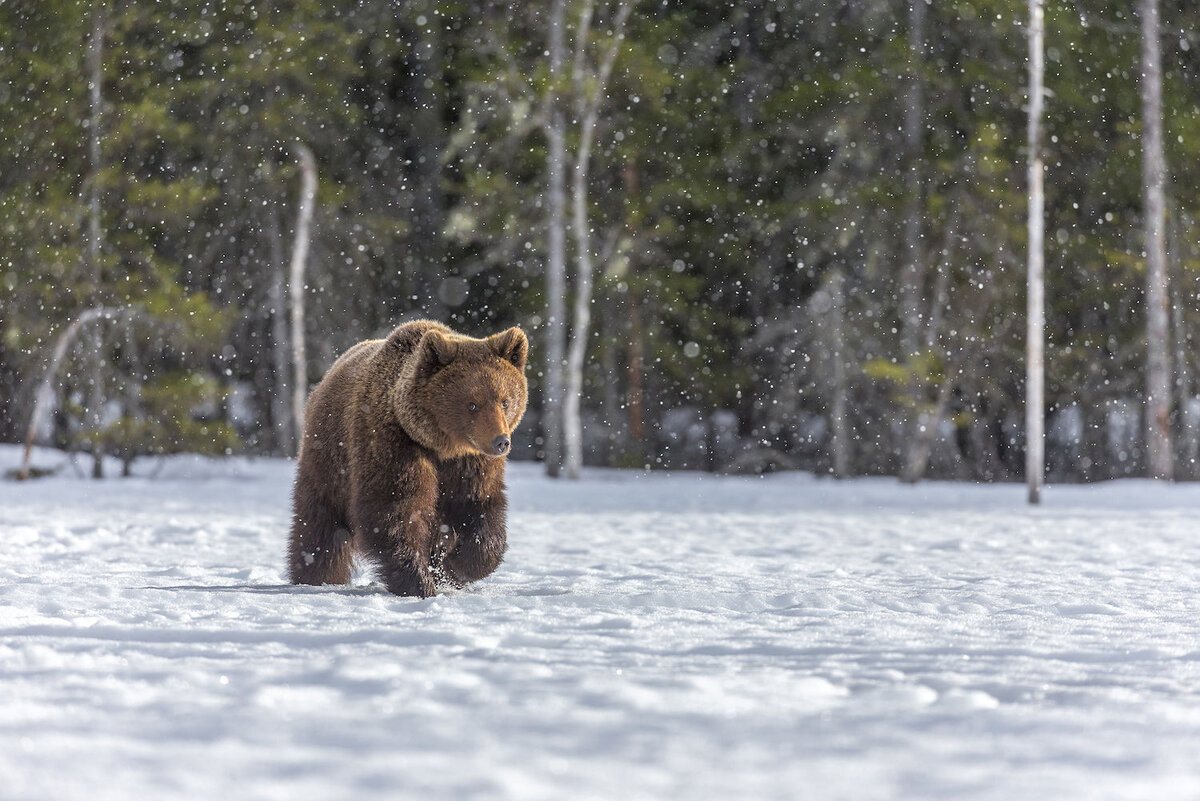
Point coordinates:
[(649, 636)]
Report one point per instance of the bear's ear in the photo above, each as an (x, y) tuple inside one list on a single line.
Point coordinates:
[(511, 345), (436, 349)]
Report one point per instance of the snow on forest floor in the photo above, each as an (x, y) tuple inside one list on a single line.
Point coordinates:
[(649, 636)]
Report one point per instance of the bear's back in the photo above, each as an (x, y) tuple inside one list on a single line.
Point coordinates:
[(324, 458)]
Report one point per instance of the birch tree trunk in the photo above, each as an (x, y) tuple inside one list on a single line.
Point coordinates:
[(572, 419), (308, 194), (588, 102), (556, 246), (585, 115), (1158, 371), (95, 367), (1035, 311)]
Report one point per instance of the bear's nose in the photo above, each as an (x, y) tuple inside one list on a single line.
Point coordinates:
[(500, 444)]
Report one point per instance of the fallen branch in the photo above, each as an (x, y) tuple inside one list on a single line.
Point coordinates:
[(44, 395)]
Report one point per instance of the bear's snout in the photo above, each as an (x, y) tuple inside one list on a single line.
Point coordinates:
[(501, 444)]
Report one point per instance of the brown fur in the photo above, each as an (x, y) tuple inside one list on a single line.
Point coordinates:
[(395, 465)]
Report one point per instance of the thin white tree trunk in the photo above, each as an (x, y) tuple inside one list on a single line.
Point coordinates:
[(556, 248), (1035, 312), (43, 399), (1158, 370), (573, 424), (586, 116), (308, 194), (95, 244), (587, 108)]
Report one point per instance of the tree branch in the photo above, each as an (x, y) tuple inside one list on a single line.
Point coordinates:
[(43, 397)]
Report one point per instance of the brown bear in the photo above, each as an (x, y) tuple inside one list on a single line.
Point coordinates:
[(403, 457)]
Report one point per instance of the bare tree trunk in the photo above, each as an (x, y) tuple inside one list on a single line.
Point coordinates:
[(839, 443), (308, 194), (585, 115), (281, 368), (1035, 313), (577, 350), (43, 398), (588, 101), (1158, 371), (95, 61), (556, 247), (912, 272)]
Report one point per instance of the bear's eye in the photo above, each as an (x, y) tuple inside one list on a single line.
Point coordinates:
[(472, 407), (503, 404)]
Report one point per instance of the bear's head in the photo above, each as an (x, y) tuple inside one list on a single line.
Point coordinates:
[(463, 395)]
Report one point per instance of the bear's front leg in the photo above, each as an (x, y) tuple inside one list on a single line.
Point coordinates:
[(394, 519), (482, 539), (445, 539)]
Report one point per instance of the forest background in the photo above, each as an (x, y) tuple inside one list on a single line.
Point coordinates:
[(742, 236)]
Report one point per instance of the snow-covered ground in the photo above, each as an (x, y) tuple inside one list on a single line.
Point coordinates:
[(649, 636)]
